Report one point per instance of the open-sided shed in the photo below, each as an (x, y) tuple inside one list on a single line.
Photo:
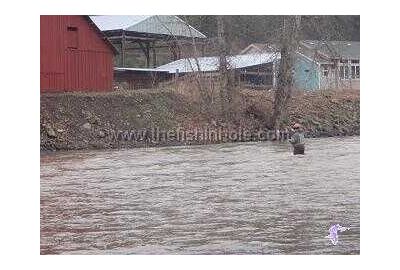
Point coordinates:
[(147, 34), (139, 78)]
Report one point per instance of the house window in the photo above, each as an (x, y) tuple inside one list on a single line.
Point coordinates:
[(353, 72), (325, 70), (357, 72), (72, 37), (346, 72), (355, 69)]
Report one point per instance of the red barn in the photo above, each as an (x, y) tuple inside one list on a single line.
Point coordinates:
[(74, 55)]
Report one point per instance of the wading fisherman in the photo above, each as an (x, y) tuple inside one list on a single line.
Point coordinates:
[(297, 140)]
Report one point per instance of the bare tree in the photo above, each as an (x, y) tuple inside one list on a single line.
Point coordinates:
[(289, 45), (226, 83), (206, 97)]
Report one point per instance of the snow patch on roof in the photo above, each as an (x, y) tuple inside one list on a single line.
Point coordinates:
[(117, 22), (155, 24), (139, 69), (208, 64)]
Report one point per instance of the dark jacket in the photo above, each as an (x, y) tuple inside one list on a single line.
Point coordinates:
[(297, 138)]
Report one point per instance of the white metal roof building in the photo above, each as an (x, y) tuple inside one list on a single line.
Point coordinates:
[(153, 24), (209, 64), (140, 69), (147, 34)]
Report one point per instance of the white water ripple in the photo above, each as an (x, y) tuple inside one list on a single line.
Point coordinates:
[(244, 198)]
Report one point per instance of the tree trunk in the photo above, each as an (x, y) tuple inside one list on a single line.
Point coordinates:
[(289, 45), (226, 84)]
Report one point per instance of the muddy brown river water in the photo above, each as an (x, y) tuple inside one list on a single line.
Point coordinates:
[(243, 198)]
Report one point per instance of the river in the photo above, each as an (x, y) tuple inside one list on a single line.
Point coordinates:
[(234, 198)]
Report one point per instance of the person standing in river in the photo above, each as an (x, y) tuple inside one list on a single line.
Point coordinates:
[(297, 140)]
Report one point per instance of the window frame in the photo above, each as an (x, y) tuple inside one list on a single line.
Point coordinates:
[(325, 70), (72, 37), (355, 66), (349, 69)]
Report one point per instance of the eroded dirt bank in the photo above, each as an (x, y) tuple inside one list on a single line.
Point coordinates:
[(158, 118)]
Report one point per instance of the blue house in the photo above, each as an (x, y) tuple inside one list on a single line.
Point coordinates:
[(321, 65), (306, 73)]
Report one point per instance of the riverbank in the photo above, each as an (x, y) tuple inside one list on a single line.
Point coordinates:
[(126, 119)]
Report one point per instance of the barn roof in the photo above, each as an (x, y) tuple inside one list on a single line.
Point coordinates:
[(154, 24), (335, 49), (208, 64), (101, 34)]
